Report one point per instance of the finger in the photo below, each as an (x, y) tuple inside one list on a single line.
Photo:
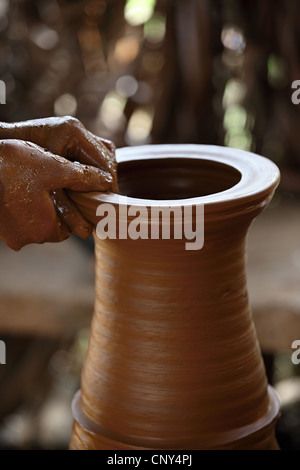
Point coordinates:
[(110, 146), (70, 215), (57, 172), (90, 150), (85, 178), (59, 233), (62, 173), (77, 143), (48, 227)]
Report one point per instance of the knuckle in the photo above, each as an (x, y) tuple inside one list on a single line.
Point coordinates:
[(71, 122), (109, 144), (11, 144)]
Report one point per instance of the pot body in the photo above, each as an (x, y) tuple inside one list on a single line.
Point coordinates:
[(173, 359)]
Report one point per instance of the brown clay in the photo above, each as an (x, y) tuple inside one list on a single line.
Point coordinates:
[(36, 167), (173, 359)]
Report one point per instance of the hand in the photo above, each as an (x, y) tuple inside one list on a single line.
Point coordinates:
[(33, 206), (66, 136)]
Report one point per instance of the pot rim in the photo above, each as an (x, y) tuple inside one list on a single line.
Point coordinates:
[(259, 175)]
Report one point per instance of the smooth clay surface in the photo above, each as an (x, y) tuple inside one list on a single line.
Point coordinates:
[(173, 359)]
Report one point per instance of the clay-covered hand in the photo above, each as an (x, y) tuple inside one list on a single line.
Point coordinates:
[(34, 208), (29, 171), (66, 136)]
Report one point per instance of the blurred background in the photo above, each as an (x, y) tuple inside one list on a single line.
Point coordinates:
[(139, 72)]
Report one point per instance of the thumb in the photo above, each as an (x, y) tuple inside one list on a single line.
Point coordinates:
[(79, 177)]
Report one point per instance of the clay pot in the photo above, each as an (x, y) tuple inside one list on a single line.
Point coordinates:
[(173, 359)]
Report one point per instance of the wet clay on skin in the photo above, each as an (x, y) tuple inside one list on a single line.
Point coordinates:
[(39, 160), (173, 359)]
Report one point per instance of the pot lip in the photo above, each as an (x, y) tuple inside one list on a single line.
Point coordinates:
[(259, 175)]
